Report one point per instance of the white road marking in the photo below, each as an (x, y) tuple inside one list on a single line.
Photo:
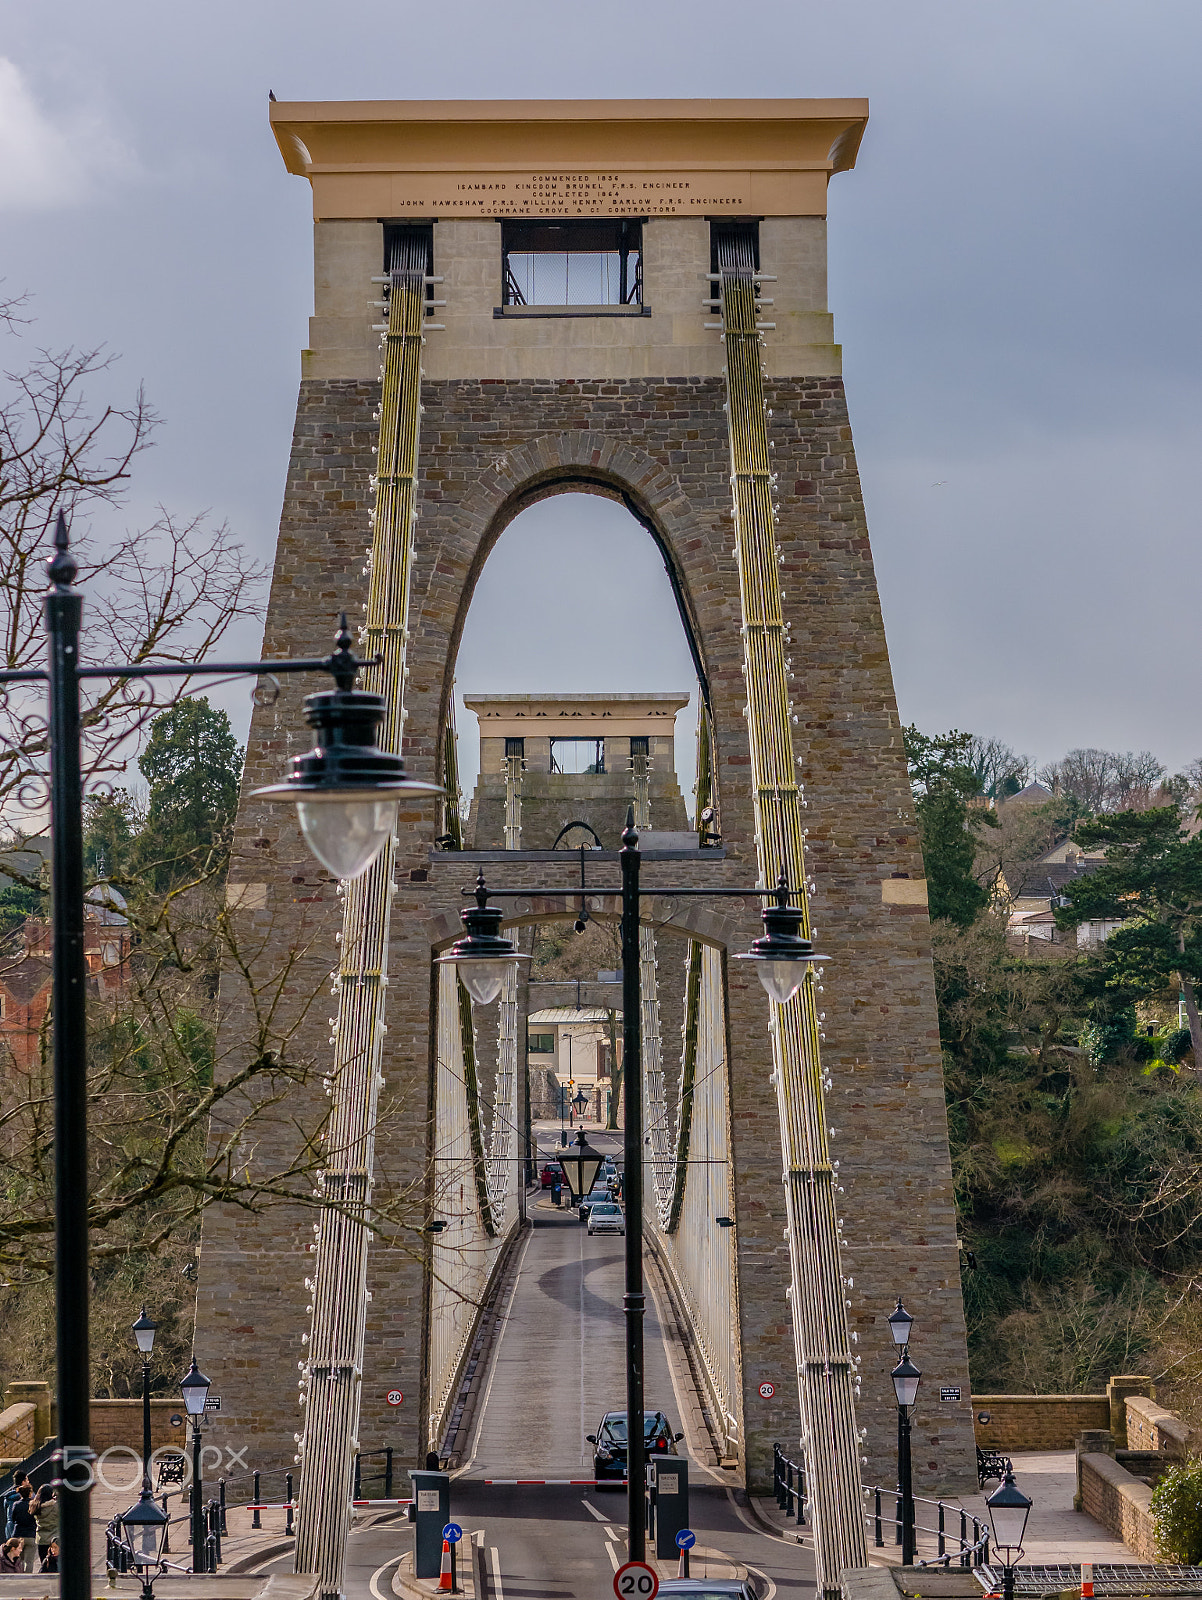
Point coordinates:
[(768, 1593), (610, 1534), (498, 1592), (613, 1557), (379, 1573), (496, 1355), (592, 1511)]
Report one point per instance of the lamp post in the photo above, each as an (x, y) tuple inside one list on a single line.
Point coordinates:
[(144, 1527), (144, 1331), (580, 1163), (580, 1101), (194, 1387), (782, 959), (346, 792), (1008, 1509), (906, 1378)]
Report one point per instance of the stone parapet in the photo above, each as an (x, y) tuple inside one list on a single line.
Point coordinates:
[(1120, 1502), (1151, 1427), (18, 1426), (1037, 1421)]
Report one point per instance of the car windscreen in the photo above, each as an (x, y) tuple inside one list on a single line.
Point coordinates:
[(615, 1425), (606, 1211)]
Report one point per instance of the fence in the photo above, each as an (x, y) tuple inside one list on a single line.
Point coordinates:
[(950, 1533)]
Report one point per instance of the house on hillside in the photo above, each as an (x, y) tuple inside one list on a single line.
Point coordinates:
[(26, 970), (1030, 891)]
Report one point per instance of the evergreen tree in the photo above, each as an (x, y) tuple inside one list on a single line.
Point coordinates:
[(943, 782), (192, 764)]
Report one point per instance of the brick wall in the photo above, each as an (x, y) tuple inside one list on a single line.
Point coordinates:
[(18, 1438), (1037, 1421), (1111, 1496), (487, 450), (1152, 1427), (119, 1422)]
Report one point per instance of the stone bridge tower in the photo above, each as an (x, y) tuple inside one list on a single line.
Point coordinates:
[(573, 343)]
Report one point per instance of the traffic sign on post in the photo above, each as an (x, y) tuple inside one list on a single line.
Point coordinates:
[(636, 1581), (686, 1539), (452, 1533), (394, 1397)]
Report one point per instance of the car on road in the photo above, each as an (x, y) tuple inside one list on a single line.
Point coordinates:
[(709, 1588), (609, 1442), (550, 1172), (598, 1195), (605, 1217)]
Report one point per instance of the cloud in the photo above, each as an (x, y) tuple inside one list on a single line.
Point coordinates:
[(47, 162)]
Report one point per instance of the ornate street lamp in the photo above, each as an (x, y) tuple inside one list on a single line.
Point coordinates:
[(906, 1378), (144, 1529), (1008, 1509), (194, 1387), (482, 956), (900, 1323), (783, 957), (346, 788), (581, 1164), (144, 1331)]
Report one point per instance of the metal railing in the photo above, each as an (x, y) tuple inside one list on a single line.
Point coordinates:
[(958, 1536)]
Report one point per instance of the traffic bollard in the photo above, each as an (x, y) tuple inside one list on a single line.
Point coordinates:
[(289, 1526), (255, 1520), (221, 1498), (167, 1529)]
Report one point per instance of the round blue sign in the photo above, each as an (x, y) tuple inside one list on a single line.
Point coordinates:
[(686, 1539), (452, 1533)]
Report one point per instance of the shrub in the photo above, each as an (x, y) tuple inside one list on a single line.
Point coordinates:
[(1177, 1509)]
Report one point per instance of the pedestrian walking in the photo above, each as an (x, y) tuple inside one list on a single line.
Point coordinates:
[(12, 1556), (21, 1521), (45, 1515), (8, 1500)]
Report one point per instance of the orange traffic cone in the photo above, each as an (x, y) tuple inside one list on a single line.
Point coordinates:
[(446, 1582), (1087, 1580), (682, 1566)]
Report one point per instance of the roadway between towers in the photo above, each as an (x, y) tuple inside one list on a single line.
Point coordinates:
[(558, 1364)]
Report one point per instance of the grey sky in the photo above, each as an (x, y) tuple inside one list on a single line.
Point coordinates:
[(1014, 277)]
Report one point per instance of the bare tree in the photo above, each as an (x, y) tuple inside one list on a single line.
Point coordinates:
[(168, 592), (1105, 780)]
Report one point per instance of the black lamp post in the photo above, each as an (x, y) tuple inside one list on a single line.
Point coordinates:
[(580, 1101), (1008, 1509), (346, 792), (144, 1527), (194, 1387), (144, 1331), (581, 1164), (906, 1378), (783, 958)]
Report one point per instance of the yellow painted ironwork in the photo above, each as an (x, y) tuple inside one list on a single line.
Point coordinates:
[(825, 1370)]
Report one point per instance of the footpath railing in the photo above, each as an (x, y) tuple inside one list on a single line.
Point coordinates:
[(171, 1471), (958, 1536)]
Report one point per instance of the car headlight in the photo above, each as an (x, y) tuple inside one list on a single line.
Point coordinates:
[(604, 1453)]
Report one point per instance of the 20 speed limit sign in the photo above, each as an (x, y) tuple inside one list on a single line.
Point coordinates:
[(636, 1581), (394, 1397)]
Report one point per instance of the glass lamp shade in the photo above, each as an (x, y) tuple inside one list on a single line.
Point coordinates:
[(144, 1331), (483, 977), (1008, 1509), (144, 1527), (900, 1323), (346, 788), (344, 832), (782, 956), (581, 1164), (194, 1387), (906, 1378), (483, 956)]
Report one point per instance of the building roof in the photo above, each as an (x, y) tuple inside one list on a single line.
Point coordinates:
[(1033, 795), (566, 1014)]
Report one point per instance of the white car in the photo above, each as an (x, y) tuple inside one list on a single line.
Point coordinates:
[(605, 1217)]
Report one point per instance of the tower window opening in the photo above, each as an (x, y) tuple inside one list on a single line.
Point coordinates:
[(515, 747), (410, 247), (574, 262), (735, 244), (640, 745), (578, 755)]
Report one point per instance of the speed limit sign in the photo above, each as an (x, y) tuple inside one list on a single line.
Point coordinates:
[(767, 1390), (635, 1581), (394, 1397)]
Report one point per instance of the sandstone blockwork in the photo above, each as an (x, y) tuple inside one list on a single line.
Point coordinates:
[(488, 449)]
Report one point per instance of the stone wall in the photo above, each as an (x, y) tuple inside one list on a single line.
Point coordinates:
[(1152, 1427), (1037, 1421), (18, 1437), (1120, 1502), (119, 1423), (488, 449)]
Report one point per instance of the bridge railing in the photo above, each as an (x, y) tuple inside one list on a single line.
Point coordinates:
[(956, 1534)]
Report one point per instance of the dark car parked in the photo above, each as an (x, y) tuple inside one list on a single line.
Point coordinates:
[(609, 1441)]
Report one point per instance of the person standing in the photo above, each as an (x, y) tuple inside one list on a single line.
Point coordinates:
[(23, 1524), (12, 1556), (45, 1514), (8, 1500)]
